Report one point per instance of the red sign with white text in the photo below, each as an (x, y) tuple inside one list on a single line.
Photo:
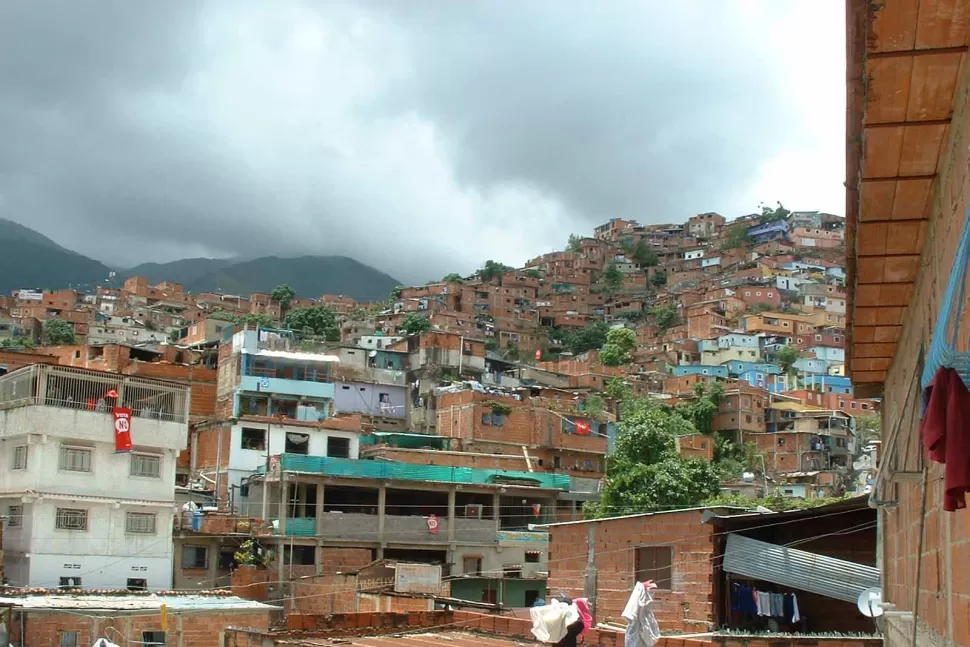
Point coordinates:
[(122, 418)]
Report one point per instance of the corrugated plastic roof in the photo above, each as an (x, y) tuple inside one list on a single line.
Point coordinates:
[(135, 602)]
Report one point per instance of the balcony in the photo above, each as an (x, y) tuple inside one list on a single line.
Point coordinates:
[(388, 471), (398, 529), (294, 387), (94, 392)]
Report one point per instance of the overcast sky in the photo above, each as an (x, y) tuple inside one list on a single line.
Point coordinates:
[(421, 137)]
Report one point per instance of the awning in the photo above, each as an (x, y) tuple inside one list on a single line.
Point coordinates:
[(798, 569)]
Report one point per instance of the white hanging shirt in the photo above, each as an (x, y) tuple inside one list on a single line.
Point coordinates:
[(550, 621), (642, 629)]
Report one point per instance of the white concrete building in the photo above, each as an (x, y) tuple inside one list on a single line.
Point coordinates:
[(78, 513)]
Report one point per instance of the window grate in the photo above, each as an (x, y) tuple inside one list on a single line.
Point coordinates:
[(74, 459), (15, 516), (140, 523), (20, 457), (71, 519), (146, 466)]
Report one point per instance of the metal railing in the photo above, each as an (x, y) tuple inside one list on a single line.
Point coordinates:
[(73, 388), (322, 374)]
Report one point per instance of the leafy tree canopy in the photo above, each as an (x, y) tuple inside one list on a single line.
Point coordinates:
[(701, 410), (396, 292), (590, 336), (454, 277), (414, 322), (665, 315), (493, 270), (612, 277), (786, 358), (285, 295), (736, 236), (620, 343), (659, 278), (58, 332), (320, 321), (769, 214), (575, 243)]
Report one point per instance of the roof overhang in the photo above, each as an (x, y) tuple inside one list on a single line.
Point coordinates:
[(905, 59)]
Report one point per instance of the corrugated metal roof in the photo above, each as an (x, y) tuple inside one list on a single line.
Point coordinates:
[(135, 602), (798, 569)]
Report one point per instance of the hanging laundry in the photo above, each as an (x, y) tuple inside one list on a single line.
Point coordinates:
[(795, 616), (550, 622), (777, 605), (945, 432), (764, 603), (642, 629), (582, 605)]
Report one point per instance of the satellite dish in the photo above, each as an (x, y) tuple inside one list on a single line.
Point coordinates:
[(373, 353), (870, 602)]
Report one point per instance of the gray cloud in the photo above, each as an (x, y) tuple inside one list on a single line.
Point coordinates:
[(419, 137)]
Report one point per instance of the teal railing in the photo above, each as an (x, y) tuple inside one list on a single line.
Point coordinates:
[(301, 527), (385, 470)]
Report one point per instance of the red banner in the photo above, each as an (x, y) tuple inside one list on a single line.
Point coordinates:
[(122, 418), (582, 428), (433, 524)]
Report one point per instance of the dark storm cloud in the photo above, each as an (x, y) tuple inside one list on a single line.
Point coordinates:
[(420, 137)]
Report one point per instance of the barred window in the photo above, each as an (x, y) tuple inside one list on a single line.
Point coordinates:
[(141, 523), (71, 519), (15, 516), (75, 459), (20, 457), (145, 465)]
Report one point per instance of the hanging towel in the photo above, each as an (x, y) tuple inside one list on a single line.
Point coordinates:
[(794, 603), (789, 608), (549, 622), (764, 603), (945, 432), (642, 629), (582, 606), (777, 605)]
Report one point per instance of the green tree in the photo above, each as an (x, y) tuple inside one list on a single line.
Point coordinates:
[(759, 308), (773, 215), (595, 406), (868, 427), (414, 323), (575, 243), (319, 321), (58, 332), (590, 336), (284, 294), (701, 410), (222, 315), (786, 358), (396, 292), (645, 472), (620, 342), (255, 319), (16, 342), (533, 273), (493, 270), (612, 277), (665, 315), (644, 256), (174, 336), (736, 236), (618, 389), (454, 277), (659, 278)]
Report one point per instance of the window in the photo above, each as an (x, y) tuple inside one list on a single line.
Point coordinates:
[(146, 466), (781, 442), (497, 419), (69, 582), (747, 419), (338, 447), (514, 570), (769, 295), (841, 404), (471, 565), (654, 563), (486, 419), (153, 638), (557, 462), (67, 638), (140, 523), (531, 595), (15, 516), (20, 457), (300, 555), (253, 438), (137, 584), (864, 406), (71, 519), (533, 556), (195, 556), (297, 443), (75, 459)]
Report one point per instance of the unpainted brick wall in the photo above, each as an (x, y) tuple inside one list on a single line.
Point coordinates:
[(199, 629), (687, 606)]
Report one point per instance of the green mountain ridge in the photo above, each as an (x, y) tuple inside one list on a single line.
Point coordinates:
[(30, 260)]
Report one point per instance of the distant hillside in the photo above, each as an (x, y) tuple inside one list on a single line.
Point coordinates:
[(11, 232), (28, 264), (310, 276), (182, 271)]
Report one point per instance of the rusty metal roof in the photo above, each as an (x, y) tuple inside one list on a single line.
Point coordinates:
[(905, 59)]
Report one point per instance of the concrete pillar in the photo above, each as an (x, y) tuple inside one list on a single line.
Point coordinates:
[(381, 503), (496, 506), (319, 509), (451, 514), (212, 563), (284, 503)]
